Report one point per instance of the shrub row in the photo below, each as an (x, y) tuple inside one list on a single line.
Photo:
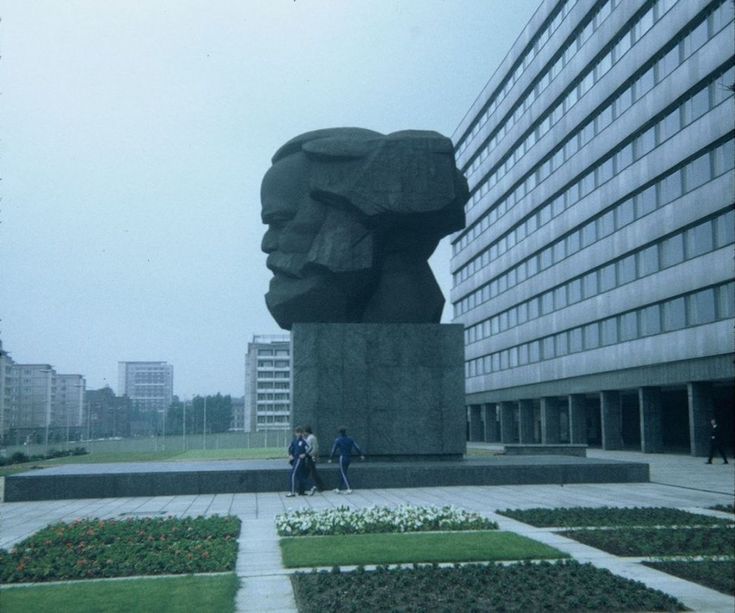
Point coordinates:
[(559, 587), (20, 458), (113, 548), (716, 574), (611, 516), (716, 540)]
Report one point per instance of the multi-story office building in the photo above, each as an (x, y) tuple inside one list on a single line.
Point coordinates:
[(268, 383), (67, 397), (595, 274), (7, 392), (149, 385), (35, 391)]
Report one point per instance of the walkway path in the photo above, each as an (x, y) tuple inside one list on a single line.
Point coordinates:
[(677, 481)]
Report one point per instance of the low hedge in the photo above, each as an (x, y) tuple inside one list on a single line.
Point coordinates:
[(716, 574), (659, 541), (559, 587), (611, 516), (113, 548)]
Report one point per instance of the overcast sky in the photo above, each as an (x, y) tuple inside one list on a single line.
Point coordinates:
[(134, 138)]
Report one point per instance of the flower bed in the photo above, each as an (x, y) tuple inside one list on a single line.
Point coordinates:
[(725, 508), (113, 548), (611, 516), (558, 587), (716, 574), (659, 541), (344, 520)]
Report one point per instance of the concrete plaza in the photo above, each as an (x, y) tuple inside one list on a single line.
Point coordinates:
[(677, 481)]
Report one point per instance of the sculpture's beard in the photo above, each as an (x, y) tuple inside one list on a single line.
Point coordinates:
[(319, 296)]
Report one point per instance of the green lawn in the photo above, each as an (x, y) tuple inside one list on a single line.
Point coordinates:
[(204, 594), (360, 549), (151, 456)]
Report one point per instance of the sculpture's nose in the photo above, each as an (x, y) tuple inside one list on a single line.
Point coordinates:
[(270, 241)]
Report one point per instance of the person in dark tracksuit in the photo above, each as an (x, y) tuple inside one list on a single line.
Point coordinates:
[(344, 445), (297, 458), (715, 443)]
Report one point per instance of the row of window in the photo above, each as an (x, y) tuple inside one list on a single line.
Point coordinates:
[(273, 385), (691, 109), (273, 419), (274, 364), (503, 89), (278, 407), (276, 352), (697, 308), (274, 396), (693, 242), (657, 69), (700, 170), (563, 56), (711, 94), (278, 374)]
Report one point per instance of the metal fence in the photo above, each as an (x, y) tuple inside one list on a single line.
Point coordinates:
[(173, 444)]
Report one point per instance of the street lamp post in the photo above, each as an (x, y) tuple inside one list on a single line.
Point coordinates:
[(204, 429)]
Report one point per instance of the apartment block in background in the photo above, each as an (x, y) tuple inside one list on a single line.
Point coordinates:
[(268, 383)]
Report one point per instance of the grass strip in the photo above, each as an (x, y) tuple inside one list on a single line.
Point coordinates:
[(718, 575), (645, 542), (560, 587), (215, 594), (576, 517), (360, 549)]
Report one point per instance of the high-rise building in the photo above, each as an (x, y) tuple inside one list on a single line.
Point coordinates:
[(68, 402), (7, 392), (595, 274), (268, 383), (149, 385)]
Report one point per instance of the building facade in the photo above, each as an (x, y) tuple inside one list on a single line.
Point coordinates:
[(594, 277), (149, 385), (268, 383)]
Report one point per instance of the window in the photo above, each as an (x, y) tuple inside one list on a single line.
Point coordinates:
[(672, 251), (644, 83), (725, 229), (724, 157), (560, 251), (699, 240), (575, 340), (624, 157), (726, 301), (609, 331), (589, 234), (605, 171), (523, 354), (645, 143), (670, 187), (626, 270), (548, 347), (668, 63), (702, 307), (561, 346), (533, 308), (573, 242), (648, 260), (575, 291), (592, 336), (624, 213), (650, 320), (628, 326), (606, 224), (645, 202), (547, 303), (697, 172), (590, 284), (534, 351), (560, 297), (669, 126), (607, 277), (674, 314)]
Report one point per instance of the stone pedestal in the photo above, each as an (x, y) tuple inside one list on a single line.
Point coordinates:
[(398, 389)]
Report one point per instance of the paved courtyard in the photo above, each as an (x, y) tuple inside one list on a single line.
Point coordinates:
[(677, 481)]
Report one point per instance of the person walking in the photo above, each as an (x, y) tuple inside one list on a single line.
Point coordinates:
[(312, 457), (344, 445), (715, 443), (297, 458)]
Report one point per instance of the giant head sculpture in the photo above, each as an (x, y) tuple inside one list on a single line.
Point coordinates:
[(353, 215)]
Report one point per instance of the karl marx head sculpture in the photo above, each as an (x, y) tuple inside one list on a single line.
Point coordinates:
[(353, 216)]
